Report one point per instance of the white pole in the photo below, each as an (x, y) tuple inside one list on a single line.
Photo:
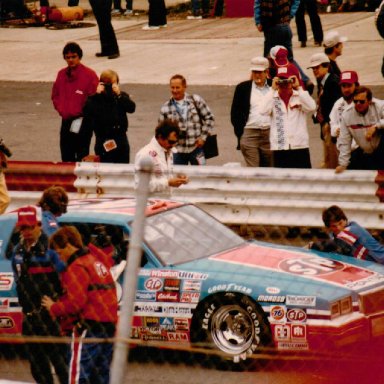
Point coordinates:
[(124, 325)]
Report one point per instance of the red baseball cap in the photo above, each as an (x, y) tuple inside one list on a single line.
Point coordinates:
[(348, 77), (285, 72), (27, 216)]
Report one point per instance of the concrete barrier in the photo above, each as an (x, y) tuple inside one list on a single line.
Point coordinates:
[(234, 195)]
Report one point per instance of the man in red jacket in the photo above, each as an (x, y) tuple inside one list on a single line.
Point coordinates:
[(70, 91), (90, 295)]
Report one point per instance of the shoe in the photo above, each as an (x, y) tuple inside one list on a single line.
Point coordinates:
[(191, 17), (164, 26), (150, 27), (128, 12), (318, 43), (303, 44), (115, 12), (114, 56), (101, 54)]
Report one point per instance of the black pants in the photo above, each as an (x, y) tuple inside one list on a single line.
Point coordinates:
[(74, 146), (317, 29), (102, 11), (157, 13), (372, 161), (117, 155), (41, 355), (292, 158)]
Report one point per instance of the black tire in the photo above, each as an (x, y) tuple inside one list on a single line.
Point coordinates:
[(235, 326)]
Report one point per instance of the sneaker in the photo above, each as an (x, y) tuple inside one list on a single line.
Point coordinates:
[(164, 26), (128, 12), (150, 27), (191, 17), (115, 12)]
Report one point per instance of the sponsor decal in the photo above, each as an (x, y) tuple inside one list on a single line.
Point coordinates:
[(177, 311), (182, 324), (178, 336), (191, 285), (272, 290), (145, 295), (306, 301), (277, 313), (152, 331), (311, 266), (298, 346), (4, 304), (190, 297), (282, 332), (167, 296), (367, 282), (271, 299), (152, 337), (296, 315), (165, 274), (230, 288), (153, 284), (134, 333), (6, 322), (193, 275), (6, 281), (151, 321), (299, 331), (147, 308), (167, 323), (100, 269), (172, 285)]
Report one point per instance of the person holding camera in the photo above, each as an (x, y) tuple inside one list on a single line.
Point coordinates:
[(288, 104), (106, 114), (4, 196)]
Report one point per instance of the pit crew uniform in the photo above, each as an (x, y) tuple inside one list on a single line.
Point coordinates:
[(89, 293)]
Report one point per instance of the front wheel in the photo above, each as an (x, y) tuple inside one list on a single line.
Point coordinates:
[(234, 325)]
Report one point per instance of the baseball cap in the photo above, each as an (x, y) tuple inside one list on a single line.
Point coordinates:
[(348, 77), (279, 54), (26, 216), (317, 59), (284, 72), (259, 63), (333, 38)]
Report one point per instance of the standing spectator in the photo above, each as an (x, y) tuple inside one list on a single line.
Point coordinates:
[(348, 5), (349, 81), (200, 9), (333, 44), (53, 203), (69, 93), (159, 150), (311, 7), (363, 122), (157, 15), (379, 21), (348, 237), (36, 271), (117, 9), (251, 128), (102, 11), (105, 113), (4, 195), (288, 105), (90, 294), (195, 120), (328, 92)]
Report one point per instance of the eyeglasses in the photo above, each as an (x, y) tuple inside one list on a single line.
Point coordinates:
[(359, 101), (69, 57), (172, 142)]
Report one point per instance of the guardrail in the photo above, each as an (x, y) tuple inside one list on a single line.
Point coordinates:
[(233, 194)]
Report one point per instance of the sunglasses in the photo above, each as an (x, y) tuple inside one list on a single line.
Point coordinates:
[(359, 101), (172, 142)]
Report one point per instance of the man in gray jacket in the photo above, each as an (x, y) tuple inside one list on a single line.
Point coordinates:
[(364, 122)]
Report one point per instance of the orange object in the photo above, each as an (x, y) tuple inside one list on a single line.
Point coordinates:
[(64, 14)]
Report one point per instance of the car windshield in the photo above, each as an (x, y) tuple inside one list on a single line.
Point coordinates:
[(187, 233)]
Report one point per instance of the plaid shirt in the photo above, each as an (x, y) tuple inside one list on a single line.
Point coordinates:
[(198, 123)]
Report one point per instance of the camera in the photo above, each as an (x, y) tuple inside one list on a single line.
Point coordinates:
[(108, 89), (284, 81), (4, 149)]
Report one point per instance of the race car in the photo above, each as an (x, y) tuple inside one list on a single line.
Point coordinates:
[(200, 284)]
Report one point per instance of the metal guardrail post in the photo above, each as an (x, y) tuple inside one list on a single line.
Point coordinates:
[(124, 325)]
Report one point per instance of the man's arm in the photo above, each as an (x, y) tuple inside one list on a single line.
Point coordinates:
[(344, 143)]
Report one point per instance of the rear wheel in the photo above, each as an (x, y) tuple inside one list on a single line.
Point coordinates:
[(235, 326)]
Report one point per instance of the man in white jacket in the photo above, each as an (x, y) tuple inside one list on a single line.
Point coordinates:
[(288, 105), (159, 150)]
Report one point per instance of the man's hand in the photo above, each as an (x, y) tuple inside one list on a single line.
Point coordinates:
[(295, 82), (178, 180), (116, 89), (47, 302), (274, 83), (100, 88), (340, 169), (199, 142), (259, 28), (370, 132)]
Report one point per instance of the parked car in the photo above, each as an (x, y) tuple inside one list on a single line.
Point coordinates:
[(200, 284)]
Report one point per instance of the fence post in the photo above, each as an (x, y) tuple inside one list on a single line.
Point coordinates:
[(124, 325)]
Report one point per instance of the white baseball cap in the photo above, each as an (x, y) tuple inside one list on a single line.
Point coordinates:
[(259, 63), (317, 59), (333, 38)]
